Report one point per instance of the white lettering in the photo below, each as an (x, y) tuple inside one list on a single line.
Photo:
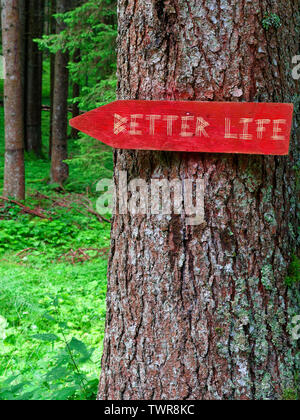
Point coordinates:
[(277, 130), (160, 196), (246, 135), (200, 127), (228, 134), (153, 119), (138, 203), (134, 125), (261, 127), (185, 126), (296, 70), (119, 124), (123, 193), (170, 120), (190, 208)]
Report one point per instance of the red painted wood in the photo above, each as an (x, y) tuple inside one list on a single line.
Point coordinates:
[(217, 127)]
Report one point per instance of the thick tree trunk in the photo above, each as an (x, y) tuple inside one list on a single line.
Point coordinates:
[(14, 183), (59, 169), (34, 69), (202, 312)]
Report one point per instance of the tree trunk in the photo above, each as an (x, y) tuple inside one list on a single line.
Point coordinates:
[(23, 37), (33, 97), (52, 71), (59, 169), (76, 93), (14, 173), (202, 312)]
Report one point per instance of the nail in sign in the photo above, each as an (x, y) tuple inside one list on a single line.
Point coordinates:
[(215, 127)]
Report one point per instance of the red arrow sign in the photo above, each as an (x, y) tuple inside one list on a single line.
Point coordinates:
[(218, 127)]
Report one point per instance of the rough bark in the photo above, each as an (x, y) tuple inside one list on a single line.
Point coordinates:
[(59, 152), (34, 69), (203, 312), (14, 184)]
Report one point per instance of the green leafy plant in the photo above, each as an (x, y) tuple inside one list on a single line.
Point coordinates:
[(63, 375), (290, 395), (9, 211), (271, 20), (64, 380)]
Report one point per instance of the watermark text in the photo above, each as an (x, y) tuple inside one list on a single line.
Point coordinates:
[(157, 197)]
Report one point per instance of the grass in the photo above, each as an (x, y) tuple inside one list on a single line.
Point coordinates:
[(27, 292), (52, 300)]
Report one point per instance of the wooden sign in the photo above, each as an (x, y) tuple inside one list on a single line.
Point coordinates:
[(217, 127)]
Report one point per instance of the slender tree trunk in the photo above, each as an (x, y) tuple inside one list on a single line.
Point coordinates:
[(75, 109), (59, 169), (52, 71), (76, 93), (202, 312), (76, 87), (23, 38), (33, 98), (47, 21), (14, 173)]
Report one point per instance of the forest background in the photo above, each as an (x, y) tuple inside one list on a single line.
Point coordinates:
[(53, 245)]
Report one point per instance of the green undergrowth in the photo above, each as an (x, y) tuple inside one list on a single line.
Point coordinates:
[(54, 325), (52, 284), (290, 395)]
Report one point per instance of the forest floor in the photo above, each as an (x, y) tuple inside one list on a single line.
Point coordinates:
[(52, 286)]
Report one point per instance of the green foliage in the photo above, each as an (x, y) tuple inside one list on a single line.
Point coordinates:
[(92, 30), (52, 308), (94, 159), (46, 81), (294, 272), (290, 395), (50, 366), (1, 80), (1, 89), (51, 311), (53, 237), (271, 20), (52, 302)]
